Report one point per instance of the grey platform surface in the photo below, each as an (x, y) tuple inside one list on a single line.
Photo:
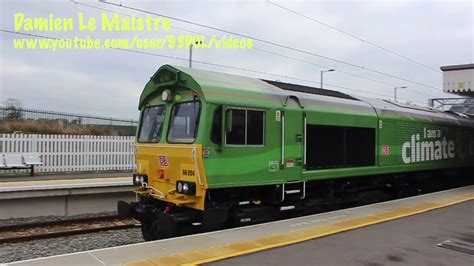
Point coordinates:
[(62, 176), (124, 254), (63, 197), (42, 185), (409, 241)]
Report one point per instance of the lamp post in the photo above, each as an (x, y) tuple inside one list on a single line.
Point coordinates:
[(190, 55), (191, 52), (395, 92), (322, 72)]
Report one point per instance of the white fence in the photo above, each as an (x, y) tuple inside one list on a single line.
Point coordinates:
[(62, 153)]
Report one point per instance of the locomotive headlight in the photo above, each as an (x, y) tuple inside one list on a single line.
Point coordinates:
[(139, 180), (136, 179), (186, 187)]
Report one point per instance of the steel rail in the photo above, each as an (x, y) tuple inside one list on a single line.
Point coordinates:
[(51, 229)]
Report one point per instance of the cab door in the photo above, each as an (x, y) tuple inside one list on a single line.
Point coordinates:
[(292, 140)]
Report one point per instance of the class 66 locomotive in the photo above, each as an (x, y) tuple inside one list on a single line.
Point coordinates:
[(215, 150)]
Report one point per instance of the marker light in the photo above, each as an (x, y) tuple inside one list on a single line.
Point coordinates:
[(166, 95), (161, 173)]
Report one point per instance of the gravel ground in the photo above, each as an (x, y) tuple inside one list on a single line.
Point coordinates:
[(52, 218), (63, 245)]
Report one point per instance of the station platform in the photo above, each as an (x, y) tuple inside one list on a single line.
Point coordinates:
[(55, 184), (440, 237), (63, 197), (296, 240), (63, 176)]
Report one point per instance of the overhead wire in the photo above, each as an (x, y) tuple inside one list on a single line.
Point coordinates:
[(345, 72), (206, 63), (269, 52), (353, 36), (270, 43)]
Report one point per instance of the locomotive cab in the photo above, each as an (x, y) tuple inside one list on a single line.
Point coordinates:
[(169, 175)]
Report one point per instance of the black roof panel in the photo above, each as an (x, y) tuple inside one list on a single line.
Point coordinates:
[(311, 90)]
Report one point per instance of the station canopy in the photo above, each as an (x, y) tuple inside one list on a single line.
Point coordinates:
[(459, 79)]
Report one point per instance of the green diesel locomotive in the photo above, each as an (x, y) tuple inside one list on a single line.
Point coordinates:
[(215, 150)]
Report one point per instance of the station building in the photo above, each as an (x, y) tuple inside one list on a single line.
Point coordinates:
[(459, 79)]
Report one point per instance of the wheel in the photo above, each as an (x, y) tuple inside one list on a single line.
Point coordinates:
[(161, 227), (149, 229)]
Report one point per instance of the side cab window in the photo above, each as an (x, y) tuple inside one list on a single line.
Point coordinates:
[(237, 135), (216, 135), (248, 128)]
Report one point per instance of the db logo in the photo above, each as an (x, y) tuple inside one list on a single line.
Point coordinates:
[(163, 160), (385, 150)]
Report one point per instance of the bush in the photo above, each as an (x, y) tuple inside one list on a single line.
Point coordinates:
[(35, 127)]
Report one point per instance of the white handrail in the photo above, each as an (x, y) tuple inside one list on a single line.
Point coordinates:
[(283, 138)]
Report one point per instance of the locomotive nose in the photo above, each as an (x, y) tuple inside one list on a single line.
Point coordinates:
[(174, 173)]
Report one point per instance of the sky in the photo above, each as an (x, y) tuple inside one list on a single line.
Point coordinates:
[(108, 82)]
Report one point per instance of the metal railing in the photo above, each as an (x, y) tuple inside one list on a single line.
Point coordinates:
[(463, 105), (14, 114)]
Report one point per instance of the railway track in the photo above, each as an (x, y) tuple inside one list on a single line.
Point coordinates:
[(51, 229)]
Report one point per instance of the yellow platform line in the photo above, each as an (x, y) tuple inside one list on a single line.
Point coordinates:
[(206, 255)]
